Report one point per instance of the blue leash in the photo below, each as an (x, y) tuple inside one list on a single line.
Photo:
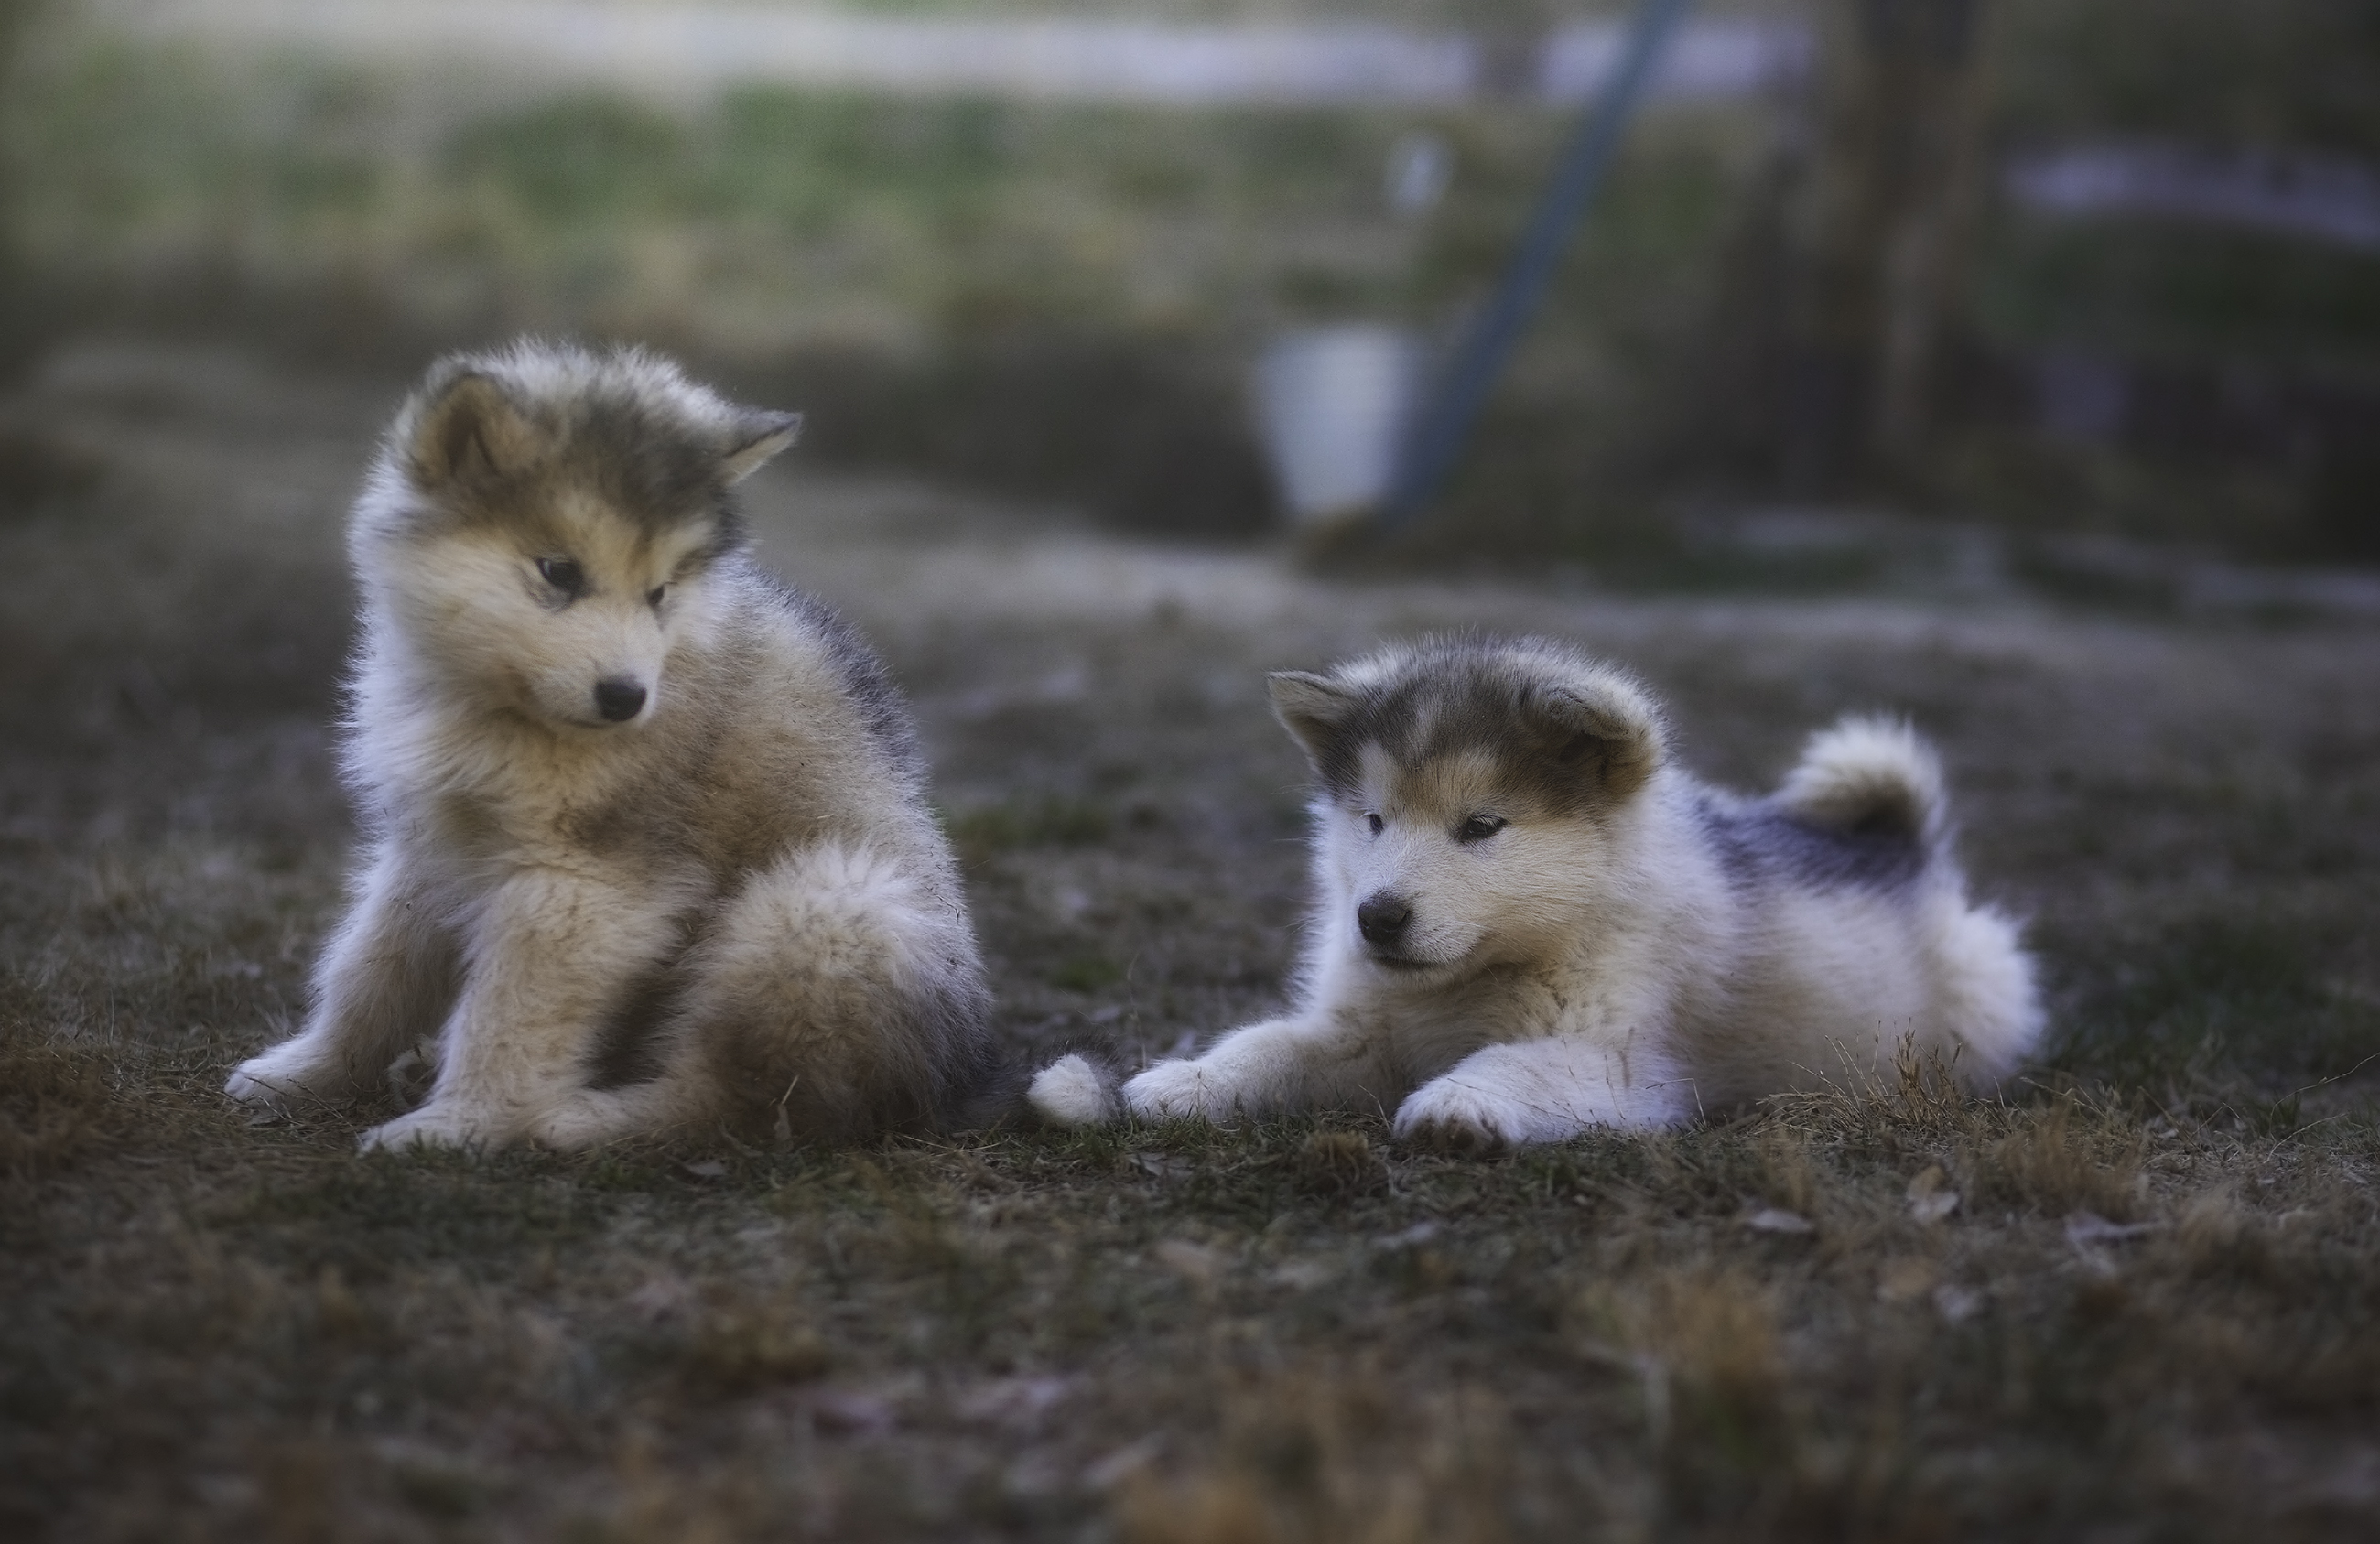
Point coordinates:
[(1437, 443)]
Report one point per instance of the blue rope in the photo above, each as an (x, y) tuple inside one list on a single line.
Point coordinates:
[(1436, 443)]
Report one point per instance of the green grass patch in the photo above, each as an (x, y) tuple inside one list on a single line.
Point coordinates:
[(1050, 821), (2217, 997)]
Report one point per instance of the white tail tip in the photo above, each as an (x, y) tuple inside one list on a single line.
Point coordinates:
[(1871, 775)]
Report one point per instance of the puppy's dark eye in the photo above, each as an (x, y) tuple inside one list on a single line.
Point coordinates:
[(1372, 822), (654, 599), (562, 574), (1480, 828)]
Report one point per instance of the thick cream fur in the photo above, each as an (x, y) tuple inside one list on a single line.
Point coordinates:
[(756, 835)]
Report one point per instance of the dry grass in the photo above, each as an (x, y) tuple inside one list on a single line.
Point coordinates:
[(1341, 1455), (2135, 1296)]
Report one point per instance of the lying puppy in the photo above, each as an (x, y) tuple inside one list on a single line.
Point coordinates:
[(1527, 923), (647, 837)]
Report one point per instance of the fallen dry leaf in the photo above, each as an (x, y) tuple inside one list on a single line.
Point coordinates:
[(2089, 1227), (1193, 1261), (1777, 1219), (1930, 1196)]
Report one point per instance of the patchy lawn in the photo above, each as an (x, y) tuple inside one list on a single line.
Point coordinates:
[(2140, 1298)]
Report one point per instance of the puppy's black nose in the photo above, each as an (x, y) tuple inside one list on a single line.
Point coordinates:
[(618, 699), (1382, 918)]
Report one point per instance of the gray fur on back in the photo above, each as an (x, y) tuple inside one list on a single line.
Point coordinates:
[(1760, 843)]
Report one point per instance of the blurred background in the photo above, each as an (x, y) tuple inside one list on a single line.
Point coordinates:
[(2069, 289)]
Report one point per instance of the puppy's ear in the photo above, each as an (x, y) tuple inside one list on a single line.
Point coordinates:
[(1314, 708), (1605, 731), (758, 437), (471, 434)]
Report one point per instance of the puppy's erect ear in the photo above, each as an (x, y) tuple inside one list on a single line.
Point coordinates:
[(471, 433), (757, 438), (1606, 731), (1314, 708)]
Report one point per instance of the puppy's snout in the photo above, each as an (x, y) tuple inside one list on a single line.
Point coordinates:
[(619, 700), (1382, 919)]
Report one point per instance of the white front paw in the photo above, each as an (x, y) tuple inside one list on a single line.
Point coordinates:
[(1190, 1090), (1464, 1117), (433, 1126), (251, 1084), (277, 1080), (1072, 1091)]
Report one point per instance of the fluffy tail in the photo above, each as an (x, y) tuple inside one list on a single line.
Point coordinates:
[(1870, 777), (1073, 1090)]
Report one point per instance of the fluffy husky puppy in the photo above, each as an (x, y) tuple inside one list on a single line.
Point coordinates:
[(646, 841), (1528, 921)]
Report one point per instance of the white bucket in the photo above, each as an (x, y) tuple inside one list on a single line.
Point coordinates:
[(1332, 406)]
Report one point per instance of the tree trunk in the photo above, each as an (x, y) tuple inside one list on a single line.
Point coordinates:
[(1880, 239)]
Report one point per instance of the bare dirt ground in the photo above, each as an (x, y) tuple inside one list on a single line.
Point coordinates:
[(2139, 1299)]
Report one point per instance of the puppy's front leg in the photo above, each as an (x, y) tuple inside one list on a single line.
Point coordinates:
[(1547, 1089), (1281, 1065), (386, 981), (545, 953)]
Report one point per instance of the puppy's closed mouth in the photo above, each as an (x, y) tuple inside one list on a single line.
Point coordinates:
[(1402, 963)]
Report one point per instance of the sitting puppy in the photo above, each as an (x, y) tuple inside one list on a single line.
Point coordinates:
[(647, 843), (1528, 922)]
